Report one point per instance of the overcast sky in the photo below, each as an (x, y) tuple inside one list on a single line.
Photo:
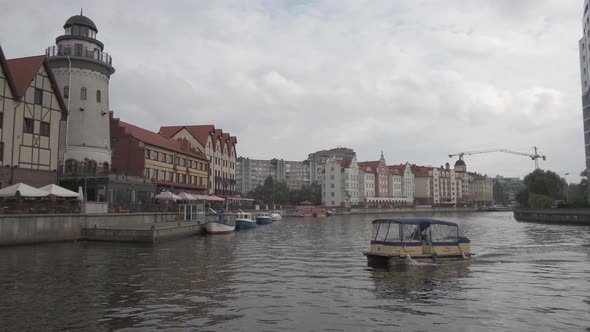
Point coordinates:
[(416, 79)]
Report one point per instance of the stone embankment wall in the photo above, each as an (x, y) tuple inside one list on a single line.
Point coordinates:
[(39, 228), (554, 216), (418, 209)]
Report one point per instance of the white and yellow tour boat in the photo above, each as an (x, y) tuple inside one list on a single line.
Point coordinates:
[(397, 241)]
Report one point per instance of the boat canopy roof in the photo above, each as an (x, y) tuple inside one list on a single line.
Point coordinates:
[(422, 222)]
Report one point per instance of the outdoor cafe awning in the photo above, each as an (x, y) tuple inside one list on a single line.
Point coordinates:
[(24, 191)]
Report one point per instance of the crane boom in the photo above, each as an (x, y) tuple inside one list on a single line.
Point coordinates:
[(534, 156)]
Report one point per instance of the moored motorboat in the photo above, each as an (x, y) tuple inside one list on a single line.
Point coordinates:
[(244, 220), (398, 241), (275, 216), (263, 218), (331, 212), (220, 223)]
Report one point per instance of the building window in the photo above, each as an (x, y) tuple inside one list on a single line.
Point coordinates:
[(147, 173), (155, 175), (98, 96), (77, 47), (163, 157), (29, 126), (38, 96), (66, 91), (71, 166), (147, 154), (163, 176), (177, 177), (44, 130), (155, 155), (83, 94)]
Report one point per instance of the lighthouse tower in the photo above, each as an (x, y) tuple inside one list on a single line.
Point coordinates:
[(82, 70)]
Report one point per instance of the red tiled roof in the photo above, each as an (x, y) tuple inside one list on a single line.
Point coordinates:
[(344, 162), (199, 132), (421, 171), (373, 164), (400, 168), (22, 71), (158, 140), (6, 70)]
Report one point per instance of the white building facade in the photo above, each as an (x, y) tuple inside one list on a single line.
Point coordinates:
[(82, 71)]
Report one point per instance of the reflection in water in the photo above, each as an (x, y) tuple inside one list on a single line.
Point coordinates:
[(302, 274)]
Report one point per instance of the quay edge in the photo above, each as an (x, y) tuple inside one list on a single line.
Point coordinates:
[(554, 216)]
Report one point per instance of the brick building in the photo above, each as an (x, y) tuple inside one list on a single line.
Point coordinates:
[(172, 164)]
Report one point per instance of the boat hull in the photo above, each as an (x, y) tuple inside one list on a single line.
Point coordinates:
[(263, 220), (215, 228), (388, 261), (245, 224), (275, 217)]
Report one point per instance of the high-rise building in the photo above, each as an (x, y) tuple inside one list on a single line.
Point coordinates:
[(82, 70), (251, 173), (584, 46), (316, 162)]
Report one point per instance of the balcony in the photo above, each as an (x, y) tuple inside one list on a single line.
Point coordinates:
[(79, 52)]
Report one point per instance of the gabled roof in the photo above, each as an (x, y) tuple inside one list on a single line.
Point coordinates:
[(6, 70), (200, 132), (369, 166), (397, 169), (344, 162), (155, 139), (23, 71), (421, 171)]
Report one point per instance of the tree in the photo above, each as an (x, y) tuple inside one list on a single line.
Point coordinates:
[(542, 189), (546, 183)]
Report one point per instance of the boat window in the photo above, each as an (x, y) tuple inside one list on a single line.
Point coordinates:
[(393, 233), (411, 233), (382, 232), (375, 230), (443, 233)]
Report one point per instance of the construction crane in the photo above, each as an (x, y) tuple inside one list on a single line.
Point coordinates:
[(535, 156)]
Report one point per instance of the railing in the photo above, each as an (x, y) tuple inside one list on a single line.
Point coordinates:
[(79, 52)]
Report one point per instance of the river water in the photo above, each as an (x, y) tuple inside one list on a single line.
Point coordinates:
[(302, 275)]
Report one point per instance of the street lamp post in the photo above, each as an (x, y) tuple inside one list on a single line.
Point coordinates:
[(566, 187), (85, 180)]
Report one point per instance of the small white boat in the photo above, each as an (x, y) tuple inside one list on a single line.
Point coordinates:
[(263, 218), (244, 220), (275, 216), (220, 223)]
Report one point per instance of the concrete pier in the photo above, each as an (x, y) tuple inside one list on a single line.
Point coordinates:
[(554, 216), (41, 228), (147, 233)]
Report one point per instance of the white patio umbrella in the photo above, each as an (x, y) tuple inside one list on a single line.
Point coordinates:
[(215, 198), (23, 189), (166, 196), (58, 191), (186, 197)]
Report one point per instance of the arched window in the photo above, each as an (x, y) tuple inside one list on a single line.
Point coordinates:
[(66, 91), (91, 168), (83, 94), (98, 96), (71, 166)]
